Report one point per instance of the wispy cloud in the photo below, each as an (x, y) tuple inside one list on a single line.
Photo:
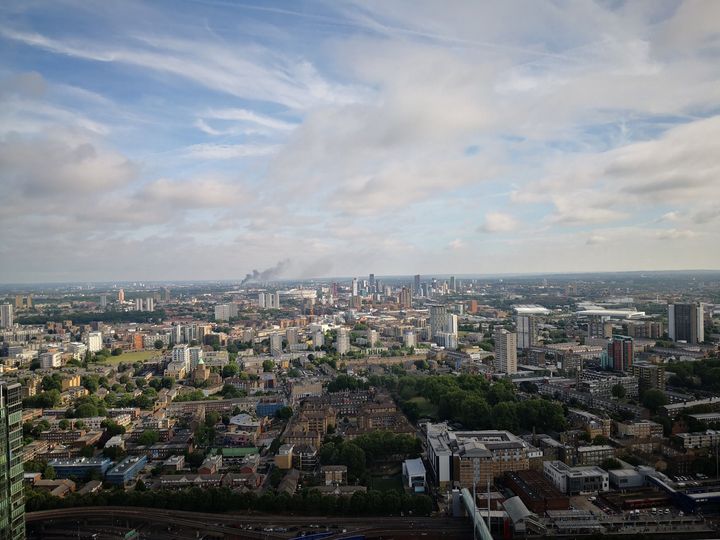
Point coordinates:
[(369, 136), (250, 72), (228, 151)]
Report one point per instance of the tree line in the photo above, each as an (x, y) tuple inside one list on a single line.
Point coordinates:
[(702, 375), (470, 400), (223, 499), (367, 449)]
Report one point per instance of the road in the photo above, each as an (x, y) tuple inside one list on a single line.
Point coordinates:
[(236, 525)]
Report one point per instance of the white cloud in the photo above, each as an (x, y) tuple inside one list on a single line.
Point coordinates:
[(355, 136), (610, 186), (498, 222), (194, 193), (228, 151), (595, 240), (675, 234), (268, 77), (671, 216), (243, 115)]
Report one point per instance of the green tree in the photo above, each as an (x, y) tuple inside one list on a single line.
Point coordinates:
[(149, 437), (600, 440), (86, 410), (276, 476), (230, 370), (117, 351), (611, 463), (49, 473), (113, 428), (229, 391), (327, 454), (114, 452), (268, 365), (618, 391), (284, 413), (654, 399), (90, 382), (353, 457), (42, 425), (159, 344), (52, 382), (274, 445), (195, 459), (505, 416)]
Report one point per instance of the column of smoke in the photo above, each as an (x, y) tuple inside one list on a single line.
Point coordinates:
[(267, 275)]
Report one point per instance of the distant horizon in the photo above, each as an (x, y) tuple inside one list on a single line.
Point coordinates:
[(439, 275)]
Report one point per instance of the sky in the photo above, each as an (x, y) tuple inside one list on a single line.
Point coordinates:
[(202, 139)]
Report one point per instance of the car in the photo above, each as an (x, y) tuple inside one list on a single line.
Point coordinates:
[(667, 511)]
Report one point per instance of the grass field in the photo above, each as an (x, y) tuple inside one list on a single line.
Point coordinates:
[(384, 483), (131, 357), (425, 408)]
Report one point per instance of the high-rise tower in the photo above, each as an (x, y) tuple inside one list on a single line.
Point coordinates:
[(621, 353), (12, 504), (6, 316), (685, 323), (505, 351)]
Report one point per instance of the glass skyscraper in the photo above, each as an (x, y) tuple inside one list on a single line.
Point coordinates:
[(12, 505)]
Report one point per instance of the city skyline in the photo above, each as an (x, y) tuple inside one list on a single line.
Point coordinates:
[(394, 278), (196, 143)]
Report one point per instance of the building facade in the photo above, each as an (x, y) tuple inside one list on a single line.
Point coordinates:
[(526, 331), (505, 351), (621, 353), (685, 323), (6, 316), (574, 480), (12, 504)]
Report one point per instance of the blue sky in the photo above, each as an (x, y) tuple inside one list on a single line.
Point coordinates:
[(199, 140)]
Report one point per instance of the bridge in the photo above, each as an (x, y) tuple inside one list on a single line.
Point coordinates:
[(479, 524)]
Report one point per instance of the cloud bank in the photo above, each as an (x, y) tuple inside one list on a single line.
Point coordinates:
[(402, 137)]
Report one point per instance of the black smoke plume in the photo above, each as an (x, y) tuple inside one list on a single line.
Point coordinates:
[(267, 275)]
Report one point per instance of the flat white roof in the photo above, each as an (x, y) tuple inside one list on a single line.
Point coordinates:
[(531, 309), (415, 467)]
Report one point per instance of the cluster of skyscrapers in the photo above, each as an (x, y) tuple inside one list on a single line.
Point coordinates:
[(269, 300)]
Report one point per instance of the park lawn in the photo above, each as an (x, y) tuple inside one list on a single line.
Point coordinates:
[(425, 408), (387, 483), (131, 357)]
